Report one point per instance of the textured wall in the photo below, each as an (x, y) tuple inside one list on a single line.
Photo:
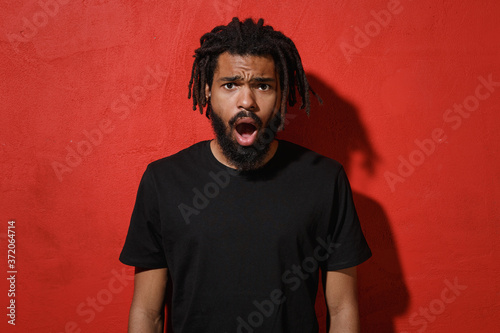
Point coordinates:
[(93, 90)]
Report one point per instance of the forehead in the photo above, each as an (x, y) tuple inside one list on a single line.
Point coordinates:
[(233, 64)]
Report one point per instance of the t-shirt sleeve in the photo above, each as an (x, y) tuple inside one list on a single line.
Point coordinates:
[(143, 244), (346, 242)]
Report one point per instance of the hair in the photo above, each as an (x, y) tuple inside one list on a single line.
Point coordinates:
[(254, 39)]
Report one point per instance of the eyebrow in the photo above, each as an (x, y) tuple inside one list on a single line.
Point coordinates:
[(239, 78)]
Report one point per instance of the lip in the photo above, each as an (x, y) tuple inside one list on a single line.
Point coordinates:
[(245, 120)]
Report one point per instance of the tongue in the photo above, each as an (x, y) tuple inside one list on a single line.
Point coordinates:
[(246, 134)]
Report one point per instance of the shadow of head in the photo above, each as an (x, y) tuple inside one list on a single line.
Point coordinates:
[(335, 129)]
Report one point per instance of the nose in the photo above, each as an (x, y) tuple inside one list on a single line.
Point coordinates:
[(246, 99)]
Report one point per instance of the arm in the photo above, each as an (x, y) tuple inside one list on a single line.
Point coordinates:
[(148, 303), (342, 301)]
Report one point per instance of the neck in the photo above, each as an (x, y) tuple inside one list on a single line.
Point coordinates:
[(219, 155)]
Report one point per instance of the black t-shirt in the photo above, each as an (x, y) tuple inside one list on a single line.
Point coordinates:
[(243, 248)]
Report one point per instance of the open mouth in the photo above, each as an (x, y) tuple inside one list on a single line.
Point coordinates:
[(246, 131)]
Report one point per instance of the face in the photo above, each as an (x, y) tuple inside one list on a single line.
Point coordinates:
[(245, 100)]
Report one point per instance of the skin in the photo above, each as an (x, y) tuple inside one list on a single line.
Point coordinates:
[(148, 303), (342, 300), (242, 83)]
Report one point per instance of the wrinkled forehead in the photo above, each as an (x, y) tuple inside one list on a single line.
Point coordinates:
[(234, 64)]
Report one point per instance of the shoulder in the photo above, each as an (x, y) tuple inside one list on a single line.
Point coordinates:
[(184, 156), (187, 160), (307, 159)]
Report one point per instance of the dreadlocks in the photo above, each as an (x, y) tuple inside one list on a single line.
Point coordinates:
[(255, 39)]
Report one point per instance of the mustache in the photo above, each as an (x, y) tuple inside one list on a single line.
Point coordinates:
[(245, 114)]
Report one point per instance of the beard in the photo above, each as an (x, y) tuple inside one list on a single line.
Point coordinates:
[(245, 157)]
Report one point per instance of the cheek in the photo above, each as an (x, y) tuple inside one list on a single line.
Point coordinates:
[(220, 101), (220, 107), (216, 105), (274, 105)]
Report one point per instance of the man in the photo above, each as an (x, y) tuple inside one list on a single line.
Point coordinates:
[(241, 224)]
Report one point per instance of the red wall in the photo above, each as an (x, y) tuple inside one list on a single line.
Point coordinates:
[(91, 91)]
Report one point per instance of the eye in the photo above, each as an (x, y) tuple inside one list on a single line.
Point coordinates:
[(264, 86), (229, 85)]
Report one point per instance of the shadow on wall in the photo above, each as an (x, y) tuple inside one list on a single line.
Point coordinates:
[(335, 130)]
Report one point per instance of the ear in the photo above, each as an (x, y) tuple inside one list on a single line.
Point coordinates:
[(207, 91)]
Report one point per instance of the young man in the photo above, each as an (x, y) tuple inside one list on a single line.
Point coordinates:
[(241, 224)]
